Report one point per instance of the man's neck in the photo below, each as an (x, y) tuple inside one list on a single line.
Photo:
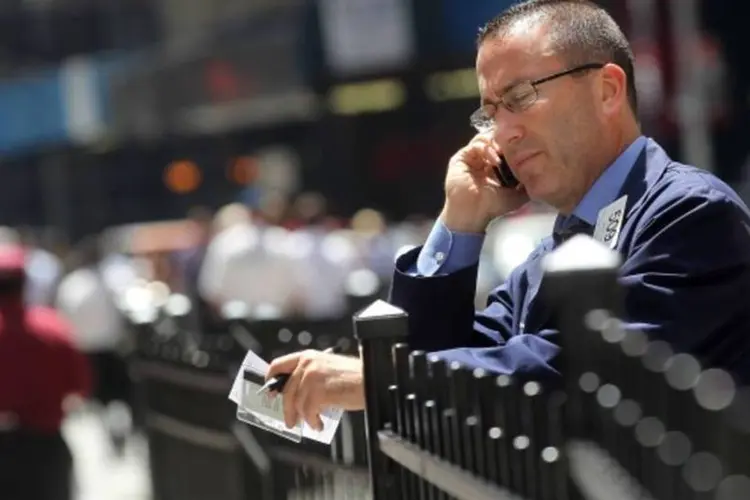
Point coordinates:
[(620, 142), (625, 139)]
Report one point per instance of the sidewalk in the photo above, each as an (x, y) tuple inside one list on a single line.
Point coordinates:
[(100, 475)]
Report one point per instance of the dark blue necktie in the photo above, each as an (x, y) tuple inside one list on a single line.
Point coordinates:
[(569, 228)]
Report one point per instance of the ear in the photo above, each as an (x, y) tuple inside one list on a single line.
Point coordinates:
[(613, 89)]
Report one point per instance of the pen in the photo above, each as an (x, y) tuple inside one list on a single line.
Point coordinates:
[(278, 382)]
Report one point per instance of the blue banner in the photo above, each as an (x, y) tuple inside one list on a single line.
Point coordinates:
[(462, 20), (54, 107), (31, 112)]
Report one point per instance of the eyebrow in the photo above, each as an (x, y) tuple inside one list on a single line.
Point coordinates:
[(485, 101)]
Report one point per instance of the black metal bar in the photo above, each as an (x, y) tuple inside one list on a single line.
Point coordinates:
[(453, 480), (421, 385), (505, 436), (458, 387), (377, 328), (397, 426), (481, 411), (554, 479), (438, 380), (408, 408), (492, 431)]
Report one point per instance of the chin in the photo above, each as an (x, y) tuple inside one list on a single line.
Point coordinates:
[(541, 191), (535, 186)]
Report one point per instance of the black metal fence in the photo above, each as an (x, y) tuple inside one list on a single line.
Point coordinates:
[(199, 450), (630, 420)]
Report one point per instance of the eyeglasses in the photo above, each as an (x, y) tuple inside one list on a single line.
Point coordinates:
[(519, 98)]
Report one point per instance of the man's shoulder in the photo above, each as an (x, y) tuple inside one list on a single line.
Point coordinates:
[(684, 187), (692, 212)]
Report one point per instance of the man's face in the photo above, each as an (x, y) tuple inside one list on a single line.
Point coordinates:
[(546, 145)]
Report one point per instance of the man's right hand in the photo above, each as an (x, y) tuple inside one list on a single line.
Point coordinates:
[(473, 195)]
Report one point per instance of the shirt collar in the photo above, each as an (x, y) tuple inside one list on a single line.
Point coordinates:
[(609, 184)]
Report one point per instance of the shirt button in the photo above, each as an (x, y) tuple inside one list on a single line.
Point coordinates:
[(439, 257)]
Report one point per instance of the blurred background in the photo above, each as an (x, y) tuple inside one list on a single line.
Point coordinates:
[(273, 156)]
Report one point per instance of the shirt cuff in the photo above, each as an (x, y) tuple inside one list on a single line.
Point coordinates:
[(447, 252)]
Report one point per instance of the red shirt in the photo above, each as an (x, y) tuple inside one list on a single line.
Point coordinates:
[(39, 366)]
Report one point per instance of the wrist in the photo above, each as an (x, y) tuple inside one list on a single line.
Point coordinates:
[(458, 222), (355, 387)]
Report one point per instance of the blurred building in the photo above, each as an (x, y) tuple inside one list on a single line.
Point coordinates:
[(121, 111)]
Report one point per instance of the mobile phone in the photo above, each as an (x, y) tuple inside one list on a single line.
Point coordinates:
[(504, 174)]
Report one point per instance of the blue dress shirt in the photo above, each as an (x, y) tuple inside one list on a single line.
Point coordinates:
[(447, 252)]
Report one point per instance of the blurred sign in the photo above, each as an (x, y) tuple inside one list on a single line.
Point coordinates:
[(462, 20), (279, 169), (57, 106), (364, 36), (375, 96), (251, 75)]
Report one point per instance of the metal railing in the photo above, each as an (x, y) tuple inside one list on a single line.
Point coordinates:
[(631, 419)]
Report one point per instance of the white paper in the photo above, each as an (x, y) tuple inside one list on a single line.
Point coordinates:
[(330, 417), (609, 222)]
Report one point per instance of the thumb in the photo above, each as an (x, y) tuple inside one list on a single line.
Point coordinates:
[(283, 365)]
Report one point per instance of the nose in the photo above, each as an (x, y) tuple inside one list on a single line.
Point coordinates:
[(508, 128)]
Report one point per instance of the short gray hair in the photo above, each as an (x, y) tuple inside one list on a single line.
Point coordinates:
[(581, 31)]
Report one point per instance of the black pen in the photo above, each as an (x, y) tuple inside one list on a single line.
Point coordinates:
[(278, 382)]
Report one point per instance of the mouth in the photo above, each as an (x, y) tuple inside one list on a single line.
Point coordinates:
[(519, 161)]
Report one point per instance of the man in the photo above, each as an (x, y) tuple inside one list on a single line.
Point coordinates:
[(249, 263), (559, 102), (40, 369), (85, 300)]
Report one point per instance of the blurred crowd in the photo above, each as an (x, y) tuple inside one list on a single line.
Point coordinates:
[(281, 259)]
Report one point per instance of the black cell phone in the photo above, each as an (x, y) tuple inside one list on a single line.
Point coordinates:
[(504, 174)]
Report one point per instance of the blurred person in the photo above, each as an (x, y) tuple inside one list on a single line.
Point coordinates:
[(9, 236), (309, 209), (188, 262), (117, 267), (87, 303), (375, 245), (558, 101), (324, 258), (248, 262), (44, 270), (41, 373), (274, 208)]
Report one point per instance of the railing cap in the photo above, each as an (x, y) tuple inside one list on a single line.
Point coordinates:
[(380, 320), (380, 309), (581, 253)]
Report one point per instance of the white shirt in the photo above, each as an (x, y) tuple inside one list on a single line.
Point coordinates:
[(43, 269), (249, 264), (324, 261), (85, 301)]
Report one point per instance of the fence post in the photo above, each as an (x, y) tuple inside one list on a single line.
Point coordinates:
[(377, 328), (580, 285)]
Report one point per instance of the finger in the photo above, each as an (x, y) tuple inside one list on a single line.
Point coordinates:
[(310, 394), (283, 364), (486, 144), (486, 136), (303, 394), (312, 417), (290, 395), (491, 152), (477, 158), (486, 178)]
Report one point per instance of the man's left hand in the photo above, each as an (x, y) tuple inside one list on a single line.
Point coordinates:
[(318, 380)]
